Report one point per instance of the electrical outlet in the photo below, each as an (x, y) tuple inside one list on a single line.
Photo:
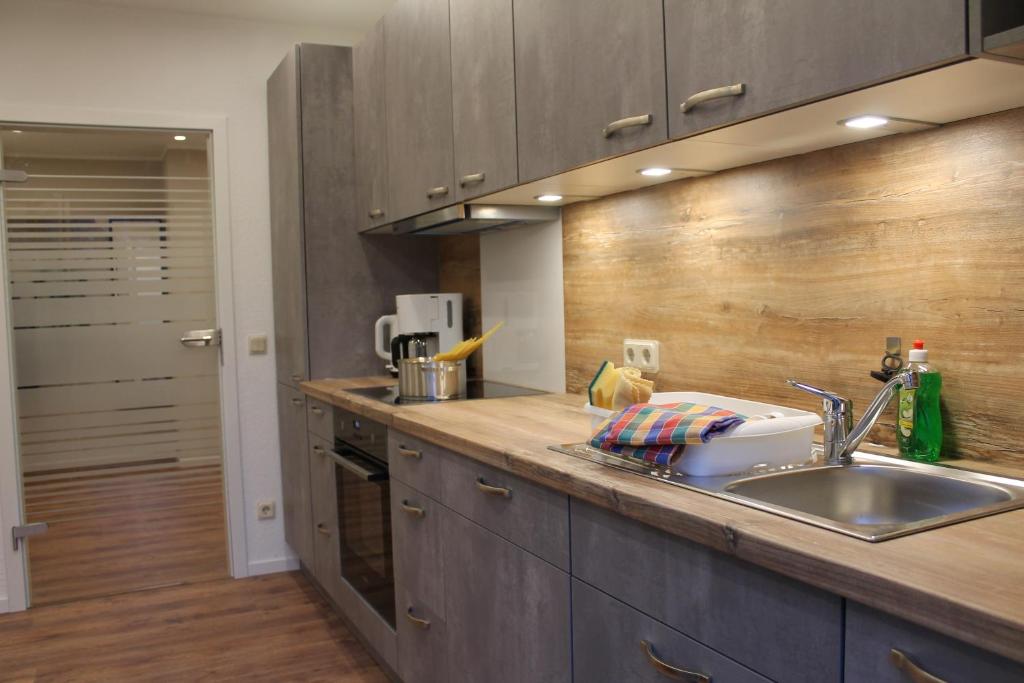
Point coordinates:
[(266, 509), (641, 353)]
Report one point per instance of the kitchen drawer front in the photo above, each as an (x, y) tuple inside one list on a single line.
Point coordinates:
[(609, 645), (871, 636), (778, 627), (415, 462), (531, 516), (320, 419), (419, 566)]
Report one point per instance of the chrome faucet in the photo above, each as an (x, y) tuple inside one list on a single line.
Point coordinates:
[(841, 436)]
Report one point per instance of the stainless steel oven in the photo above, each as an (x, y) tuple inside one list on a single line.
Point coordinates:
[(364, 510)]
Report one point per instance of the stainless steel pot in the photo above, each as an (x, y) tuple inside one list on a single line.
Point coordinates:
[(425, 379)]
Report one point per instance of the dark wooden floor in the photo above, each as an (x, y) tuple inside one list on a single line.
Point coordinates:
[(268, 628), (118, 532)]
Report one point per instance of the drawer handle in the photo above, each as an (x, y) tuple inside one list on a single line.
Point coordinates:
[(412, 509), (416, 621), (628, 122), (319, 450), (316, 410), (322, 529), (915, 673), (673, 672), (492, 490), (439, 191), (734, 90), (297, 402), (409, 453), (376, 213), (471, 179)]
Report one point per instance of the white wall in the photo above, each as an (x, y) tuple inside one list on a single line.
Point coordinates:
[(79, 55), (521, 284)]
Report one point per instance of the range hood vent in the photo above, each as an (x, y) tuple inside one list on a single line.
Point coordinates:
[(465, 218)]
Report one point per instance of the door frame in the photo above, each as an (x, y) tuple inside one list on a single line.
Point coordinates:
[(10, 488)]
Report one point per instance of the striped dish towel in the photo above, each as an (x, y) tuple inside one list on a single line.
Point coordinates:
[(657, 434)]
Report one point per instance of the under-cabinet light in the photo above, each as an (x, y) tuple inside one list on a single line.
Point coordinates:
[(866, 121), (655, 171)]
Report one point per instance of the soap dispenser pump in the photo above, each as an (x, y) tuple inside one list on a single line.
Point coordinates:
[(919, 426)]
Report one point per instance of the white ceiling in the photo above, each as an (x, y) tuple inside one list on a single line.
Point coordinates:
[(68, 142), (356, 16)]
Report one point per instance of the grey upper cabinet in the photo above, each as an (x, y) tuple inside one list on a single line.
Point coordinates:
[(369, 121), (295, 491), (788, 52), (286, 209), (506, 610), (589, 73), (418, 87), (483, 96)]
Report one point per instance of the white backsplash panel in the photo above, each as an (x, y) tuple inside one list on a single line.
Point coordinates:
[(521, 283)]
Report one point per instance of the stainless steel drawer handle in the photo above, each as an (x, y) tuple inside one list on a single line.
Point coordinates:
[(298, 402), (669, 671), (322, 529), (734, 90), (416, 621), (472, 179), (409, 453), (412, 509), (628, 122), (915, 673), (317, 410), (439, 191), (492, 490), (376, 213), (319, 450)]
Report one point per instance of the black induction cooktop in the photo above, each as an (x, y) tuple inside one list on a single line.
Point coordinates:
[(475, 388)]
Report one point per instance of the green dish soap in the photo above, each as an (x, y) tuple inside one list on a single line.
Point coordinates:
[(919, 427)]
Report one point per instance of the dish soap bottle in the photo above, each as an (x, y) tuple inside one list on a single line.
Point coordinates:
[(919, 427)]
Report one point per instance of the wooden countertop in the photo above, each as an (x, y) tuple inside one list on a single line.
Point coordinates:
[(964, 580)]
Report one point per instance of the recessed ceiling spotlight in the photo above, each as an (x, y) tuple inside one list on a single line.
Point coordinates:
[(654, 171), (548, 198), (180, 138), (866, 121)]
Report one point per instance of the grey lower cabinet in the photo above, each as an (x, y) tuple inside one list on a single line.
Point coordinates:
[(324, 504), (881, 648), (295, 491), (418, 92), (369, 119), (613, 642), (590, 81), (788, 52), (483, 96)]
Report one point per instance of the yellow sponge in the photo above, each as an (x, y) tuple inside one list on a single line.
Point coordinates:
[(618, 388), (602, 387)]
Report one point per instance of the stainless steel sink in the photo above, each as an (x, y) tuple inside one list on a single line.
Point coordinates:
[(875, 498)]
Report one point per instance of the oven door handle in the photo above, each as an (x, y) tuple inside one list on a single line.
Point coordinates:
[(364, 473)]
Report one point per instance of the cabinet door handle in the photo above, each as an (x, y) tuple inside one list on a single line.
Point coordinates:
[(319, 450), (298, 402), (375, 213), (628, 122), (416, 621), (439, 191), (472, 179), (321, 528), (492, 490), (412, 509), (734, 90), (409, 453), (296, 378), (673, 672), (914, 673), (316, 410)]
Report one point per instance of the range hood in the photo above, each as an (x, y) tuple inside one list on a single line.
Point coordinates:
[(464, 218)]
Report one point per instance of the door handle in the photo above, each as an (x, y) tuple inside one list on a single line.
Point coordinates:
[(669, 671), (913, 671), (439, 191), (12, 176), (492, 490), (201, 338), (734, 90), (27, 530), (472, 179), (412, 509), (375, 213), (628, 122), (416, 621)]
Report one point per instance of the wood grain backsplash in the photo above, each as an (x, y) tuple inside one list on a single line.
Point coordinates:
[(800, 267)]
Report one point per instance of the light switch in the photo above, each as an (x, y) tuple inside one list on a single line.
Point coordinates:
[(257, 344)]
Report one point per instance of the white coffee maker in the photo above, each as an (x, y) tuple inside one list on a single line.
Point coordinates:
[(423, 324)]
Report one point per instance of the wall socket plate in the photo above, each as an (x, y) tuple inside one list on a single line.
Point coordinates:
[(266, 509), (644, 354)]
